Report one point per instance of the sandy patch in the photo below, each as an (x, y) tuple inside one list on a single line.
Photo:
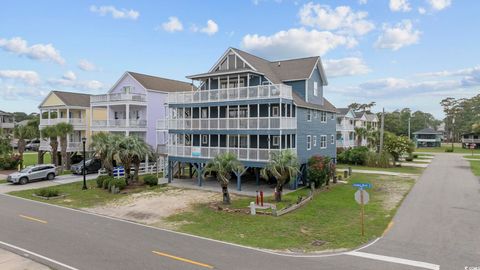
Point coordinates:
[(395, 191), (151, 207)]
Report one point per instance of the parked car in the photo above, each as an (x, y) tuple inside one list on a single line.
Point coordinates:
[(33, 173), (33, 145), (92, 166)]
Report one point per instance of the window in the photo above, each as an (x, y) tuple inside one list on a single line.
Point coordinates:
[(204, 139), (276, 140), (323, 141), (332, 139), (323, 117), (314, 141), (275, 111), (204, 112), (309, 115), (315, 88), (332, 116), (309, 142), (315, 114)]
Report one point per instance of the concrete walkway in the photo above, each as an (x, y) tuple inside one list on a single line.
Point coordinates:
[(59, 180), (384, 173), (12, 261), (412, 164)]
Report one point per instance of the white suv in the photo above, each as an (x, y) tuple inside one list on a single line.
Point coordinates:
[(33, 173)]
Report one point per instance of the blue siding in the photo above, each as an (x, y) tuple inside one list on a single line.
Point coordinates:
[(298, 87), (314, 128), (310, 82)]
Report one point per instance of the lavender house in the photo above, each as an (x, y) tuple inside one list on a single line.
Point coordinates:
[(133, 105)]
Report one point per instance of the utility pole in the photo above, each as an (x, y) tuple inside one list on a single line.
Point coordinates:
[(409, 117), (382, 129)]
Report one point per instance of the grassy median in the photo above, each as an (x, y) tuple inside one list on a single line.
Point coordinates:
[(329, 221), (475, 166), (402, 169)]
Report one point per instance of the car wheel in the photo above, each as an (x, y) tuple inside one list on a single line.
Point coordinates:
[(23, 181), (50, 176)]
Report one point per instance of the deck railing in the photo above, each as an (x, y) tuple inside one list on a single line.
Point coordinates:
[(232, 94), (117, 97), (119, 123), (251, 123), (54, 121)]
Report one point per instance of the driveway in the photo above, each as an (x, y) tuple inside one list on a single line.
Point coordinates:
[(62, 179)]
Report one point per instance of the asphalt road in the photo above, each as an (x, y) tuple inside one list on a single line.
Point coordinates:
[(437, 224)]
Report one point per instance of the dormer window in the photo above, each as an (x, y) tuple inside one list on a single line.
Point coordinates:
[(127, 89)]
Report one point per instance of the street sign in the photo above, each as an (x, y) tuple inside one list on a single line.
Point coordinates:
[(362, 185), (359, 199)]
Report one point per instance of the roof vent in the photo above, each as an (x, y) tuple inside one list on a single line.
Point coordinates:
[(278, 64)]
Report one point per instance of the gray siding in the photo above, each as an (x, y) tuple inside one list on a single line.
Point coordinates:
[(314, 128), (298, 87), (310, 83)]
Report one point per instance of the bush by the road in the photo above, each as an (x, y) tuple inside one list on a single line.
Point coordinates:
[(100, 179), (354, 156), (150, 180), (47, 192), (118, 183)]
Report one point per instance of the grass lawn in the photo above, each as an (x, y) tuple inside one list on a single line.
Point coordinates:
[(475, 165), (403, 169), (332, 216), (31, 158), (456, 149), (78, 198), (471, 157), (3, 181)]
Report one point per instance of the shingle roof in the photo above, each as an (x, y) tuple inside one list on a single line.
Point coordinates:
[(161, 84), (427, 131), (73, 99), (343, 111), (4, 113), (371, 116), (327, 106)]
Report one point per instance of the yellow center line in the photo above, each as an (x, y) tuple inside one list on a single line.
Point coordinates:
[(33, 219), (390, 225), (182, 259)]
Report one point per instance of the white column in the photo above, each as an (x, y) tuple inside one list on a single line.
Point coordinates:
[(49, 117), (68, 114), (127, 116), (108, 115)]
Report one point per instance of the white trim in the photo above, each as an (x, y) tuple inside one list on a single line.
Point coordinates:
[(309, 113), (309, 138), (226, 53), (314, 141), (276, 138), (321, 137), (306, 90)]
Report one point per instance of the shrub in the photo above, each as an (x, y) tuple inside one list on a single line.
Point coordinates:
[(9, 162), (150, 180), (47, 192), (355, 156), (101, 179), (319, 170), (449, 150), (378, 160), (106, 182), (415, 156), (119, 183)]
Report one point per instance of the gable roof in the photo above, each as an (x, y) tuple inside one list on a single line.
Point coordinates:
[(160, 84), (284, 70), (371, 116), (300, 102), (343, 111), (427, 131), (73, 99)]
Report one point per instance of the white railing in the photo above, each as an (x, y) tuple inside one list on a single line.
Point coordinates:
[(143, 169), (228, 123), (470, 140), (117, 97), (249, 154), (346, 143), (7, 125), (119, 123), (427, 140), (231, 94), (71, 146), (54, 121), (341, 127)]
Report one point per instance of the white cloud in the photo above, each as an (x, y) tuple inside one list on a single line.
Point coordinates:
[(69, 75), (19, 46), (210, 29), (349, 66), (115, 13), (422, 10), (11, 92), (295, 42), (439, 4), (400, 5), (362, 2), (173, 25), (80, 85), (400, 35), (342, 19), (86, 65), (26, 76), (469, 76)]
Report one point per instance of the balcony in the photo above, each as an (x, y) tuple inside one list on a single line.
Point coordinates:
[(470, 140), (252, 123), (232, 94), (76, 122), (71, 146), (345, 127), (247, 154), (117, 98), (119, 123), (7, 125), (345, 143)]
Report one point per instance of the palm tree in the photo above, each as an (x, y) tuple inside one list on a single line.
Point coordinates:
[(283, 166), (360, 132), (223, 165), (22, 133), (104, 146), (52, 133), (131, 150), (63, 130)]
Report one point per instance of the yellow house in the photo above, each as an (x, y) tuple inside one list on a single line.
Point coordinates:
[(68, 107)]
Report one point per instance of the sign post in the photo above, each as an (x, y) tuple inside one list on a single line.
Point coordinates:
[(362, 197)]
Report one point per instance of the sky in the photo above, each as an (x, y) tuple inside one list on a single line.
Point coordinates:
[(398, 53)]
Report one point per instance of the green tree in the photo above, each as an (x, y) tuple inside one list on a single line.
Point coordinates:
[(64, 129), (283, 166), (131, 151), (397, 146), (23, 133), (360, 134), (51, 132), (223, 165), (104, 145), (5, 148)]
